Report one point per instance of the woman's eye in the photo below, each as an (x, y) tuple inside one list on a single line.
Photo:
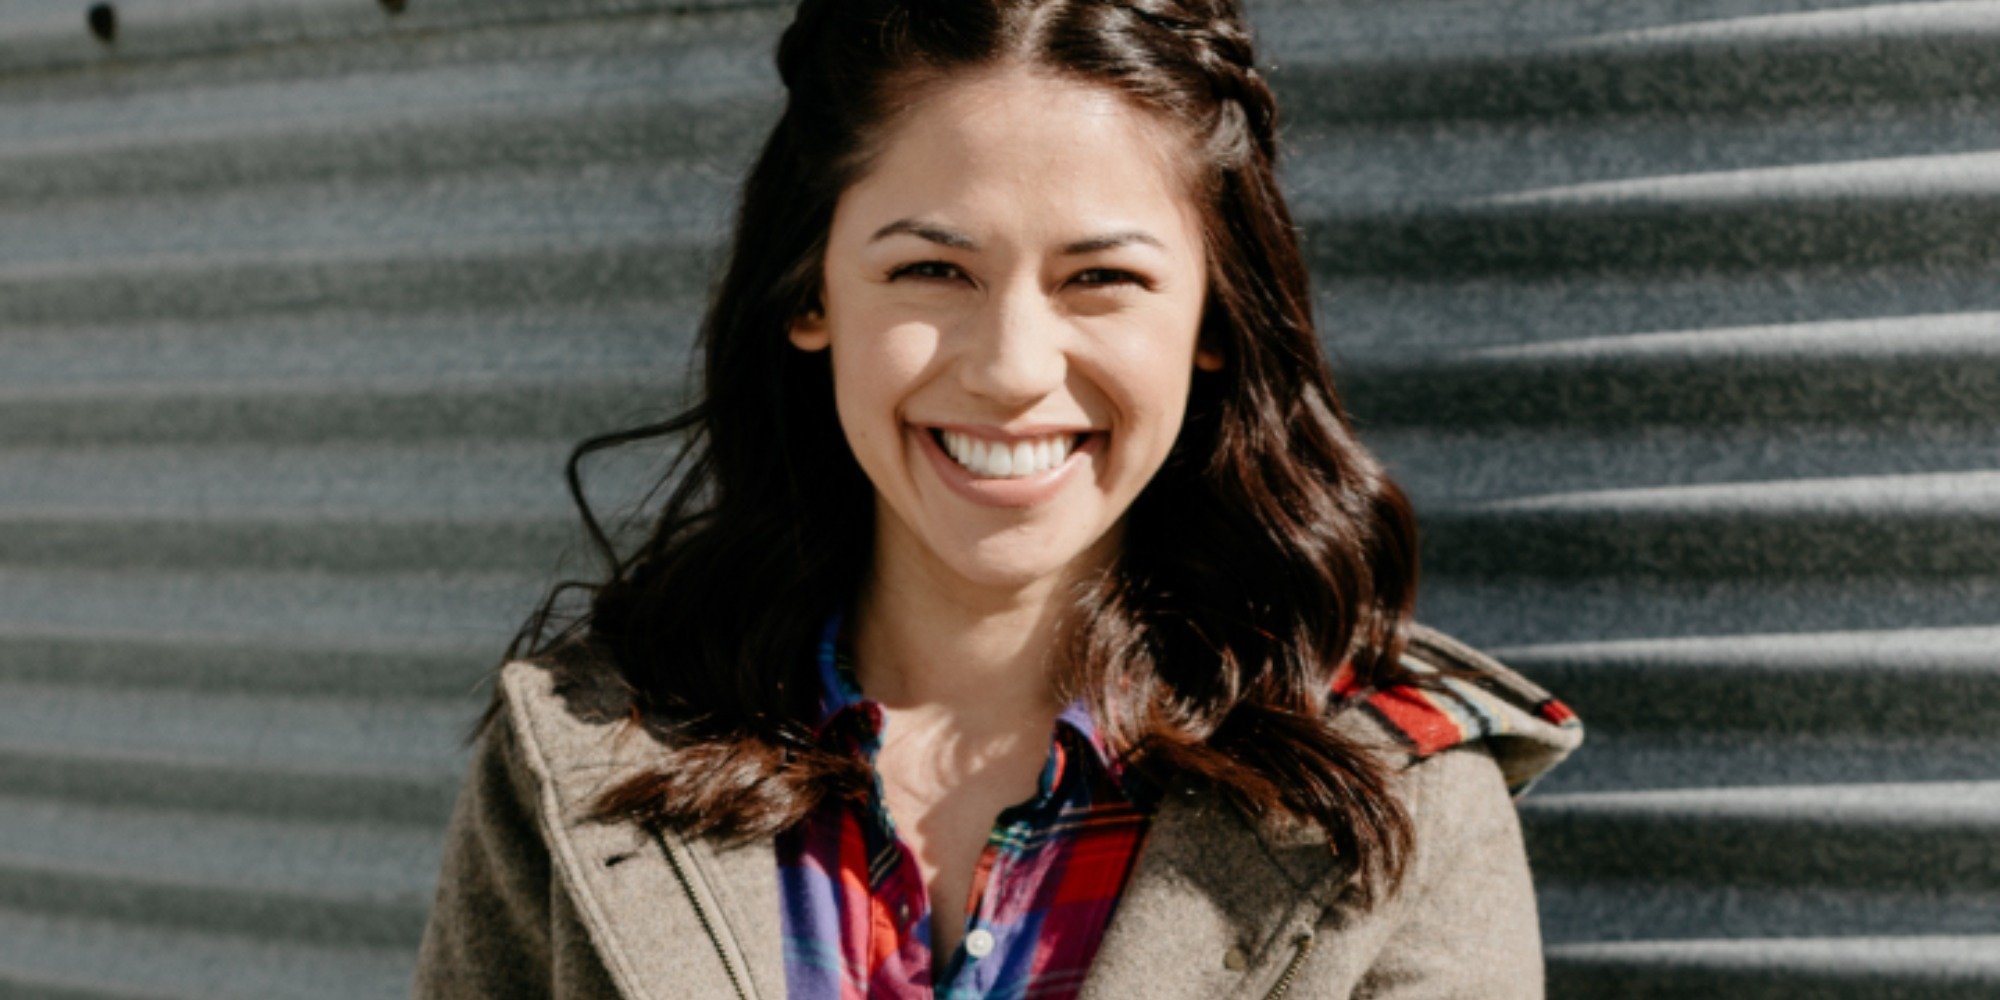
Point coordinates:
[(1104, 276), (927, 269)]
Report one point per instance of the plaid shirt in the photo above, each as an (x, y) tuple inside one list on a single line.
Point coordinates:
[(857, 917)]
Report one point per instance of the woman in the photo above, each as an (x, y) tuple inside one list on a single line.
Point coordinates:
[(1027, 620)]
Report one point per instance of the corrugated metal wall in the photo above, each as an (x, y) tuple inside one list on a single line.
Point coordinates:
[(1679, 319), (1682, 323)]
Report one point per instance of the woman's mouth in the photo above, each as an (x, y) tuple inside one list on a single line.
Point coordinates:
[(1007, 459)]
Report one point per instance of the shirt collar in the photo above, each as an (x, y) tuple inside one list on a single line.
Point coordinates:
[(837, 689)]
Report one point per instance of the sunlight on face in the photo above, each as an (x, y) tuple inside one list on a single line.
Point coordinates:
[(1012, 294)]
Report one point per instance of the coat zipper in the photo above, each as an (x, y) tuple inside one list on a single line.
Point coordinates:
[(701, 915), (1305, 945)]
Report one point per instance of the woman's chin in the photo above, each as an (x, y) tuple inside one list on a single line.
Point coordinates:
[(1006, 573), (967, 547), (1009, 561)]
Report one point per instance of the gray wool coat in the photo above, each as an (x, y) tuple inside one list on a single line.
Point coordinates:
[(533, 902)]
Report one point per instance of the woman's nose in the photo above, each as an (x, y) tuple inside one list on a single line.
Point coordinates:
[(1014, 350)]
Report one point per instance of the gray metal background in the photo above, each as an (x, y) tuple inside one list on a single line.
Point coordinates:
[(1679, 319)]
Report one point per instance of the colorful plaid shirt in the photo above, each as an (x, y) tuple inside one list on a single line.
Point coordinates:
[(857, 916)]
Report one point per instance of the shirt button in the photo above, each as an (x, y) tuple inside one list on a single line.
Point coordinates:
[(1234, 960), (979, 943), (902, 913)]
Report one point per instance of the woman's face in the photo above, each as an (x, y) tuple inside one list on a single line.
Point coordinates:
[(1011, 294)]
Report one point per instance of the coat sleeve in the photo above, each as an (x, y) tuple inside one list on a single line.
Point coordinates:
[(488, 935), (1466, 926)]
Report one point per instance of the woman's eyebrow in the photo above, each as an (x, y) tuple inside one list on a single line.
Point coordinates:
[(959, 241), (929, 231), (1110, 241)]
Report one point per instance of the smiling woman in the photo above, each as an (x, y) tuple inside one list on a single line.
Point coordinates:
[(956, 393), (1027, 618)]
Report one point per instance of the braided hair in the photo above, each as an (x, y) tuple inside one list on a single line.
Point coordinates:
[(1220, 46)]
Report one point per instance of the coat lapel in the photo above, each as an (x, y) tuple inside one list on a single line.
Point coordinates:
[(669, 917), (1213, 907)]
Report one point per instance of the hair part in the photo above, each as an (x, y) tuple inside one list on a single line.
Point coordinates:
[(1207, 656)]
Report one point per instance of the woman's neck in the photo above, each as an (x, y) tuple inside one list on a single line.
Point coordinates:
[(975, 667), (957, 658)]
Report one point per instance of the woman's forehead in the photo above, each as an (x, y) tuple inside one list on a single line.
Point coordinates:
[(1022, 147)]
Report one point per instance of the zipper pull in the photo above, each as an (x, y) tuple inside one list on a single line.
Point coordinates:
[(1303, 941)]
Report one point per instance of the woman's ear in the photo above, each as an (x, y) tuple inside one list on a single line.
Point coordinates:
[(808, 331), (1207, 360)]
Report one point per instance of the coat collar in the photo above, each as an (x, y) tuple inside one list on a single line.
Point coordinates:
[(1212, 907), (669, 917)]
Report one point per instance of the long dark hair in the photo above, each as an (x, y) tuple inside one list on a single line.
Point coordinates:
[(1268, 550)]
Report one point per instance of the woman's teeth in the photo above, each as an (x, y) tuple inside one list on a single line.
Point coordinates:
[(1005, 460)]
